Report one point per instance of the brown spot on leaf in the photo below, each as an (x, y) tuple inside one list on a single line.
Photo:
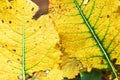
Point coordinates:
[(2, 21), (6, 7), (43, 8), (18, 59), (108, 16), (10, 0), (35, 43), (10, 22), (102, 62), (10, 7), (14, 50), (16, 10), (5, 45), (39, 26), (114, 60), (27, 21), (32, 9), (28, 76), (118, 9)]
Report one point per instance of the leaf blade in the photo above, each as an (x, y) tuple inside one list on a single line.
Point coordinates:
[(23, 41), (85, 42), (96, 38)]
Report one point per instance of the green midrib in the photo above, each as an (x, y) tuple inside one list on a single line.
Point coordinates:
[(95, 37), (23, 53)]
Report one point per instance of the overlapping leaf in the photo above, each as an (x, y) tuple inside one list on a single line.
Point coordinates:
[(70, 67), (89, 31), (26, 45)]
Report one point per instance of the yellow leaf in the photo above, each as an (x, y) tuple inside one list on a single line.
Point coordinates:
[(70, 67), (89, 31), (26, 45)]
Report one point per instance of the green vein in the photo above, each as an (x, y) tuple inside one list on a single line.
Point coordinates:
[(23, 52), (108, 27), (92, 9), (88, 47), (71, 15), (75, 32), (106, 32), (39, 61), (74, 40), (114, 48), (96, 38), (11, 51), (100, 13), (13, 39), (99, 25), (72, 23), (112, 40)]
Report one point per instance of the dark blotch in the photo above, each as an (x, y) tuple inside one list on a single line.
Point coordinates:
[(43, 8), (28, 76), (14, 50), (27, 21), (32, 9), (6, 7), (2, 21), (118, 10), (10, 22), (108, 16), (10, 7), (18, 59), (102, 62), (16, 10), (10, 0), (59, 6), (39, 26), (114, 60), (6, 45)]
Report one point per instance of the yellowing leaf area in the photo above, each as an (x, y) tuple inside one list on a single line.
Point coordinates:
[(75, 36)]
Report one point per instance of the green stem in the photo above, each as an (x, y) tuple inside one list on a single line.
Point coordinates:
[(23, 53)]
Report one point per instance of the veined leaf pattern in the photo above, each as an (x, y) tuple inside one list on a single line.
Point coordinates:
[(89, 31), (24, 41)]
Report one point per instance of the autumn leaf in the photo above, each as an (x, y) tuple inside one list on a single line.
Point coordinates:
[(89, 31), (70, 67), (26, 45)]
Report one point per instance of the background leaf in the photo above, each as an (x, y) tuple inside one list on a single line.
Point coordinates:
[(89, 31), (93, 75)]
